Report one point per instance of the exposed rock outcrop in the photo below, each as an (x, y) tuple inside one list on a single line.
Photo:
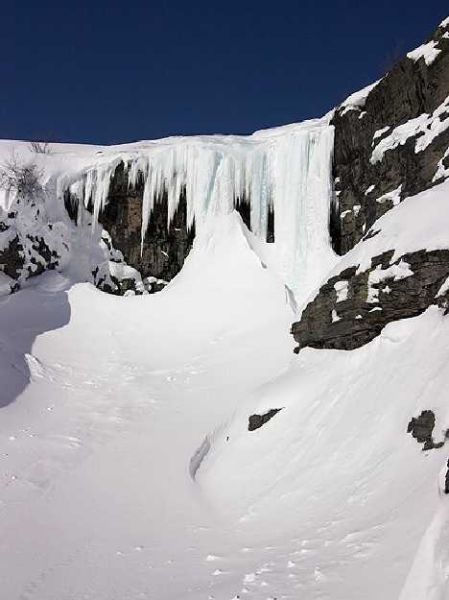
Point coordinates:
[(422, 427), (394, 142), (257, 421), (166, 243), (391, 142), (353, 307), (165, 246)]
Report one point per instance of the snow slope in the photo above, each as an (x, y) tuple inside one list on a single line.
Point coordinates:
[(127, 470), (330, 499)]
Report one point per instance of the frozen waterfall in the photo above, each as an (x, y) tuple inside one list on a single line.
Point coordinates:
[(286, 170)]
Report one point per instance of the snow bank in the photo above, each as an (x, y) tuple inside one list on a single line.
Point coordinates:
[(337, 461)]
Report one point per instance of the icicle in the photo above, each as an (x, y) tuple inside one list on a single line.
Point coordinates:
[(285, 170)]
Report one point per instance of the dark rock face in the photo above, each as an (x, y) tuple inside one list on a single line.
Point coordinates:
[(421, 428), (446, 486), (12, 259), (165, 245), (352, 308), (256, 421), (409, 90), (243, 207)]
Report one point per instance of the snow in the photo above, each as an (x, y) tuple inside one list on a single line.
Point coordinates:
[(380, 132), (6, 283), (442, 171), (357, 100), (111, 402), (428, 52), (394, 196), (377, 275), (342, 289), (127, 470), (444, 288), (417, 223), (340, 465), (428, 127), (335, 317)]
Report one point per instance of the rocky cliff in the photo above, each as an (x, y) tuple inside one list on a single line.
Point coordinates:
[(391, 140), (391, 143)]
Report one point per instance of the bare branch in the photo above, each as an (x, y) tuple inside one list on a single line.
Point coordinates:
[(40, 147), (24, 180)]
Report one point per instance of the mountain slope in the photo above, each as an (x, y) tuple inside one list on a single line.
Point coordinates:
[(172, 446)]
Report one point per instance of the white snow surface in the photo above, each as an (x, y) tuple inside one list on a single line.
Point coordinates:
[(127, 470), (342, 289), (428, 52), (394, 196), (356, 101), (427, 126)]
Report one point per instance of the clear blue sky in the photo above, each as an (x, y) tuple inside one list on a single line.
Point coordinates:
[(109, 72)]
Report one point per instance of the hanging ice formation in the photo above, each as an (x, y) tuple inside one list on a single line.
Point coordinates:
[(286, 170)]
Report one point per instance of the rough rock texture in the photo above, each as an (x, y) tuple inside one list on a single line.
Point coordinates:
[(371, 299), (165, 245), (256, 421), (411, 89), (12, 258), (421, 428)]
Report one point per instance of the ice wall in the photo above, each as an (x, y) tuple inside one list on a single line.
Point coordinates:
[(287, 169)]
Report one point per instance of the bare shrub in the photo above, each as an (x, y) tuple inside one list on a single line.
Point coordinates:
[(22, 180), (40, 147)]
